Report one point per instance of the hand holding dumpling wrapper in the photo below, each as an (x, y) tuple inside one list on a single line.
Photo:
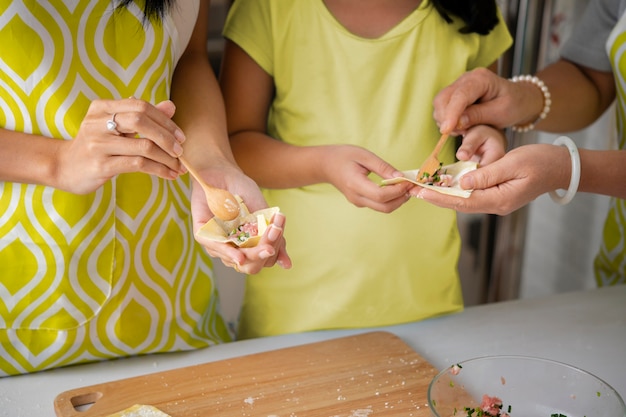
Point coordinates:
[(455, 171), (245, 231)]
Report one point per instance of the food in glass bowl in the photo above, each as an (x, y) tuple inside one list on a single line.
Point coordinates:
[(521, 386)]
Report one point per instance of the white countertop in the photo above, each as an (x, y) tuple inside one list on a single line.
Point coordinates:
[(586, 329)]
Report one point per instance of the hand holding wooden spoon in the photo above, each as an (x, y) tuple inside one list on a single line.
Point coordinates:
[(221, 202)]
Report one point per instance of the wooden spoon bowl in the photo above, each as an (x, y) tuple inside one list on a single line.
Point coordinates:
[(221, 202), (432, 163)]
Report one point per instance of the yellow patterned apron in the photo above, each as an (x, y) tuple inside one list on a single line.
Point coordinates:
[(610, 263), (112, 273)]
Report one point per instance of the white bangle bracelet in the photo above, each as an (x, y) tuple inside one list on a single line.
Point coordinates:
[(575, 177), (547, 101)]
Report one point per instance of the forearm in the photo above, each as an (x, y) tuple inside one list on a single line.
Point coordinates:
[(200, 112), (275, 164), (578, 98), (602, 172), (27, 158)]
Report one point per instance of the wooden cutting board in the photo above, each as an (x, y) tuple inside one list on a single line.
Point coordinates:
[(373, 374)]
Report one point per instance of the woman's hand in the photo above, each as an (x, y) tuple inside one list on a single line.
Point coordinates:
[(509, 183), (145, 139), (270, 250), (478, 97), (347, 168)]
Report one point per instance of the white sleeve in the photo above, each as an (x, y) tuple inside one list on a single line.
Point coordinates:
[(586, 45)]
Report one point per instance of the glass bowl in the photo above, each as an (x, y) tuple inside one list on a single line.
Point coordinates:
[(526, 386)]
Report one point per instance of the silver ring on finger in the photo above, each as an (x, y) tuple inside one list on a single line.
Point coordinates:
[(112, 125)]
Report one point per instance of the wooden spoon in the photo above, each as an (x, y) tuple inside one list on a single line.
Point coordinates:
[(221, 202), (431, 164)]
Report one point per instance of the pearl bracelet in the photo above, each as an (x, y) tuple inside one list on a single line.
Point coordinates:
[(547, 101), (575, 177)]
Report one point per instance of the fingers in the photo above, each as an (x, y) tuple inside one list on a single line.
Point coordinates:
[(149, 161), (481, 201), (450, 106), (451, 102), (138, 155), (482, 144), (275, 251), (466, 102), (135, 136), (270, 250), (487, 113), (361, 191), (484, 177), (167, 107), (386, 199), (495, 190), (283, 259), (134, 118)]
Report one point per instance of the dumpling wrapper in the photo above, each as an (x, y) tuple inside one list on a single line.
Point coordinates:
[(456, 170), (218, 230), (140, 410)]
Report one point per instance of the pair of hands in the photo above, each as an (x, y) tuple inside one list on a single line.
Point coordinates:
[(147, 140), (348, 169), (500, 185), (270, 250)]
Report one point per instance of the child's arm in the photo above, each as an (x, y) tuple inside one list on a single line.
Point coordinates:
[(248, 92)]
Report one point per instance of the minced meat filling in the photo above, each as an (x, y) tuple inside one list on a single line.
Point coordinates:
[(244, 232)]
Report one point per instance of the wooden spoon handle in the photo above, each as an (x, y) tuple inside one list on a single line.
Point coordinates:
[(194, 173), (439, 145)]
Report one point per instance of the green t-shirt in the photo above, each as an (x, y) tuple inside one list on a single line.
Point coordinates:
[(355, 267)]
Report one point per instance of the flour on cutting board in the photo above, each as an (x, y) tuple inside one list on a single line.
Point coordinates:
[(363, 412), (379, 381), (140, 410), (363, 375)]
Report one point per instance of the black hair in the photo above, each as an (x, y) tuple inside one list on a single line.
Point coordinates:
[(479, 16), (152, 9)]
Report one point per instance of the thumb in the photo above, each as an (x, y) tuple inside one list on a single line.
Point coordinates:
[(167, 107), (384, 169), (482, 178)]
